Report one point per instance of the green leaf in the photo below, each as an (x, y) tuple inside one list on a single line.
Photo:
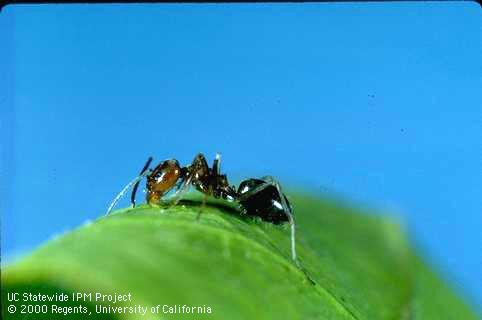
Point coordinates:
[(361, 264)]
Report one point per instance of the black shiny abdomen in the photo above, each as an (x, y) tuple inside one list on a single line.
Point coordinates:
[(265, 203)]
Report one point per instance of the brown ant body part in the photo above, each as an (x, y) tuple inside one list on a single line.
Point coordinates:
[(169, 174), (162, 179), (206, 180)]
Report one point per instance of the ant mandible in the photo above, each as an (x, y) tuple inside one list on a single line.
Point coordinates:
[(261, 198)]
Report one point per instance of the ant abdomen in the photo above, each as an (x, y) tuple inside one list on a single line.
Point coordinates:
[(261, 199)]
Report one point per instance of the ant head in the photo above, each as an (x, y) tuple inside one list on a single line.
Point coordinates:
[(162, 179), (262, 198)]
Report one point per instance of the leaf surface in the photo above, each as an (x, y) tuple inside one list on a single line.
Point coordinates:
[(361, 265)]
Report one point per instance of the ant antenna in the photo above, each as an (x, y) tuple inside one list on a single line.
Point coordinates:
[(136, 181), (134, 190)]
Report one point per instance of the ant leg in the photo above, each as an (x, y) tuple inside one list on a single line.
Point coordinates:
[(134, 190), (291, 219), (203, 205), (194, 175), (293, 240), (182, 189), (270, 181), (124, 190), (243, 196), (288, 211)]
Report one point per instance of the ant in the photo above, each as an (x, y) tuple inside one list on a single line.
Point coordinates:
[(261, 198)]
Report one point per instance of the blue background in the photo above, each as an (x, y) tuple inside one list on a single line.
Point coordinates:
[(376, 103)]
